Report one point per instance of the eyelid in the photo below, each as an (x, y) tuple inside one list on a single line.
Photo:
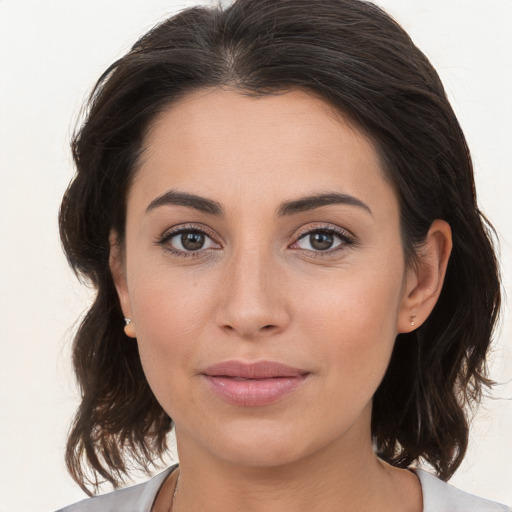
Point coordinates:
[(180, 228), (173, 231), (342, 232), (347, 238)]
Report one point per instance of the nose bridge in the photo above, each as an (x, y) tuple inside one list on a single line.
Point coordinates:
[(251, 303)]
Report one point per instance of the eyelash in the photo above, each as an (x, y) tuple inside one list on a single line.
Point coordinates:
[(164, 240), (345, 237)]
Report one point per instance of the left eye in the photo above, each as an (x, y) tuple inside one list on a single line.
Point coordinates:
[(320, 240)]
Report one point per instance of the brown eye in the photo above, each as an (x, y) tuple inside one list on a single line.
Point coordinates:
[(321, 240), (185, 242), (192, 241), (324, 240)]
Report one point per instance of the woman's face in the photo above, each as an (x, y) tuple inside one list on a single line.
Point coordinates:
[(264, 274)]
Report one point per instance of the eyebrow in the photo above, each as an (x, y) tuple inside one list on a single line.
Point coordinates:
[(173, 197), (317, 200), (202, 204)]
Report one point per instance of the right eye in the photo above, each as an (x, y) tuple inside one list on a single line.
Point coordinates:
[(187, 242)]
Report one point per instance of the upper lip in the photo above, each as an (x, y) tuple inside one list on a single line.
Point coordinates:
[(256, 370)]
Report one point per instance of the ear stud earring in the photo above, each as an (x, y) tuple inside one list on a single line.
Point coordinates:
[(413, 316), (129, 328)]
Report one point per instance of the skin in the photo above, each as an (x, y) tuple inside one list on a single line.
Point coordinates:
[(260, 289)]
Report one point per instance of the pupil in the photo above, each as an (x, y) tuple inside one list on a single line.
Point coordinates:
[(321, 241), (192, 241)]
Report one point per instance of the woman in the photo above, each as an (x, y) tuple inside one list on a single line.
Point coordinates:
[(278, 202)]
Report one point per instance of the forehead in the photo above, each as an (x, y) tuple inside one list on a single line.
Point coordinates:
[(205, 118), (226, 144)]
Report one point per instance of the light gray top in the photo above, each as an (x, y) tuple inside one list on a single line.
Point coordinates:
[(438, 496)]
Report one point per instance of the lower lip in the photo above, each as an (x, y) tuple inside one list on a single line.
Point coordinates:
[(253, 392)]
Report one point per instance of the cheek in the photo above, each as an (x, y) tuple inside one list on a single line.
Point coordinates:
[(343, 321), (170, 313), (167, 303), (354, 328)]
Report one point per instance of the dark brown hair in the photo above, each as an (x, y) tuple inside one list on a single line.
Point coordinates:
[(362, 62)]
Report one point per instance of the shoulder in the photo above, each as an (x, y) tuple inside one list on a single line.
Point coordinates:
[(138, 497), (438, 496)]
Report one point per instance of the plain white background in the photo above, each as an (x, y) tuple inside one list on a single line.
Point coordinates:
[(51, 53)]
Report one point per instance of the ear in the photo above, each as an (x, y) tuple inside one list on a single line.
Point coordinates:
[(424, 279), (118, 271)]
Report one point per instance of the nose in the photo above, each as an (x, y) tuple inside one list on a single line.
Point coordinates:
[(253, 300)]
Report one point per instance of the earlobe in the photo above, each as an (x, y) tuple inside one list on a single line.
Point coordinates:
[(129, 328), (117, 269), (424, 281)]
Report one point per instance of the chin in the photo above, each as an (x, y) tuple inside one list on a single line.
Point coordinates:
[(265, 444)]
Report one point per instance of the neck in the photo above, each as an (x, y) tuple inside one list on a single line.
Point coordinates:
[(341, 477)]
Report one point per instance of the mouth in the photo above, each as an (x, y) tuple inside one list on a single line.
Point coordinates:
[(253, 384)]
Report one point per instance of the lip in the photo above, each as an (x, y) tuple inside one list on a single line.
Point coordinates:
[(253, 384)]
